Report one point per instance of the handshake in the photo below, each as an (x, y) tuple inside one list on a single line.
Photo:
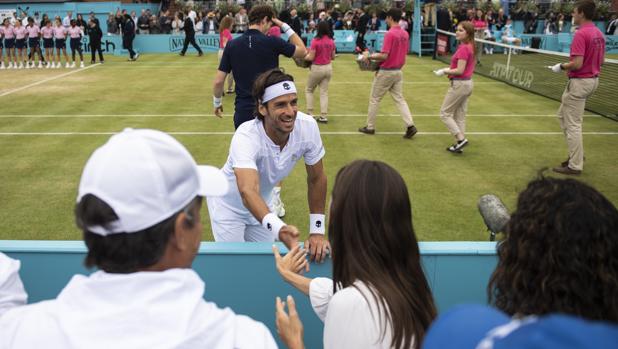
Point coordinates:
[(440, 72)]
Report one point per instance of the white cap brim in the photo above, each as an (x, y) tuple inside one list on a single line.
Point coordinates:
[(212, 181)]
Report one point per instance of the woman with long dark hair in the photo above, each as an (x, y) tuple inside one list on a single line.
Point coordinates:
[(378, 297), (455, 104), (560, 254), (321, 53)]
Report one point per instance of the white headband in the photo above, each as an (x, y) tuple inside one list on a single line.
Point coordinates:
[(276, 90)]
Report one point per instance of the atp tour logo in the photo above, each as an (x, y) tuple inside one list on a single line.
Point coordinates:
[(286, 86), (318, 224)]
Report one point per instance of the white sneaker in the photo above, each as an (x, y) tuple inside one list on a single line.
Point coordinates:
[(67, 65), (2, 66), (47, 65), (10, 65), (73, 65), (81, 65), (58, 65), (27, 65), (276, 205), (40, 65), (21, 66)]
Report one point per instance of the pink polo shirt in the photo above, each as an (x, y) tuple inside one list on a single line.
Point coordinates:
[(225, 34), (323, 48), (60, 32), (396, 45), (479, 24), (48, 33), (75, 32), (8, 32), (33, 32), (464, 52), (588, 42), (20, 33)]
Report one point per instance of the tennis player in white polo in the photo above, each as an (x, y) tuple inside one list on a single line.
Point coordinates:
[(262, 153)]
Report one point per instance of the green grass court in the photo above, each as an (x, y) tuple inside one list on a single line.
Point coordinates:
[(48, 131)]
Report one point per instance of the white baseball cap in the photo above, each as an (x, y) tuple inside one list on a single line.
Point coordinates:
[(145, 176)]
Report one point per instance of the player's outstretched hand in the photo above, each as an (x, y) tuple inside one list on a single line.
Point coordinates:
[(289, 235), (318, 247), (295, 261), (289, 327), (219, 112)]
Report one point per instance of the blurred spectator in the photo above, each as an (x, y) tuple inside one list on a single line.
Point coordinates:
[(211, 26), (612, 26), (560, 23), (445, 19), (154, 25), (374, 23), (37, 19), (128, 35), (500, 20), (143, 23), (550, 27), (490, 17), (134, 19), (177, 23), (112, 25), (198, 21), (531, 23), (480, 25), (92, 17), (241, 20), (295, 22), (81, 23), (66, 22), (560, 253), (165, 22)]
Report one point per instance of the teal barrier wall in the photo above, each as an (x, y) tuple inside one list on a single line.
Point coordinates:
[(242, 275)]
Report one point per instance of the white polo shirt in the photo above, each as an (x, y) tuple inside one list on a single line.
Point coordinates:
[(252, 148)]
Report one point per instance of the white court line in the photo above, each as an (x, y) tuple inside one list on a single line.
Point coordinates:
[(18, 116), (46, 80), (343, 133)]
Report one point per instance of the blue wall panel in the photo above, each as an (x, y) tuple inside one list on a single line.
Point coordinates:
[(243, 276)]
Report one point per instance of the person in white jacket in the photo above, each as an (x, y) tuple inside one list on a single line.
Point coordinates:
[(138, 206), (12, 293), (381, 298)]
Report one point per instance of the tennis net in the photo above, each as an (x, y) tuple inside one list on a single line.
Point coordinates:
[(527, 68)]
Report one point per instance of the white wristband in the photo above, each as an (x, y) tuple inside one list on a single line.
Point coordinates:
[(290, 32), (285, 27), (317, 223), (217, 102), (273, 224)]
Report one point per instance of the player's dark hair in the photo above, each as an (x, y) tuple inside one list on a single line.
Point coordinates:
[(587, 7), (258, 12), (373, 241), (125, 252), (264, 80), (323, 29), (560, 253), (394, 13)]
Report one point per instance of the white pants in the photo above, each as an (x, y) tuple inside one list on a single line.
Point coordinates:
[(228, 226)]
